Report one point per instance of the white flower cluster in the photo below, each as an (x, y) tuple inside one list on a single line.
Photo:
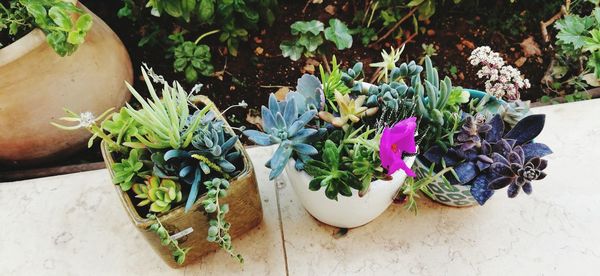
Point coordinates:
[(502, 80)]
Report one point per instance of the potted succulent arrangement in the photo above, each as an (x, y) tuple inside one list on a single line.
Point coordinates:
[(346, 146), (487, 141), (358, 140), (84, 66), (180, 171)]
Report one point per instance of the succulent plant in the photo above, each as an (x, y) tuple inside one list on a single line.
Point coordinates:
[(159, 193), (308, 94), (126, 170), (514, 111), (431, 106), (471, 130), (210, 153), (516, 172), (211, 143), (165, 120), (389, 96), (387, 64), (284, 125), (333, 81), (177, 252), (329, 175), (124, 129), (350, 110), (218, 230), (478, 166)]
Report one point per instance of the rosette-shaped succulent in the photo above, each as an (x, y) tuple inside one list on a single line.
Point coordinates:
[(471, 131), (283, 125), (513, 112), (211, 152), (350, 109), (211, 143), (160, 194), (516, 172)]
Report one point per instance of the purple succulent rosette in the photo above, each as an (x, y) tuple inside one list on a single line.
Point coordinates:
[(489, 156)]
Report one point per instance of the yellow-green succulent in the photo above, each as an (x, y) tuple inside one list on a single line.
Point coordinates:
[(350, 109), (160, 194)]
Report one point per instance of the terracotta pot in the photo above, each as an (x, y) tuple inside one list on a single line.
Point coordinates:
[(36, 84), (346, 212), (245, 211)]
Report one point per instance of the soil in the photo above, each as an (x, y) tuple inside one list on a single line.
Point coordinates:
[(454, 32)]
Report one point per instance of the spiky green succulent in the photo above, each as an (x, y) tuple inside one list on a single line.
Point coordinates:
[(284, 125)]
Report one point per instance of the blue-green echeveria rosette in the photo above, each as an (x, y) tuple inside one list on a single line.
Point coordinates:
[(283, 124)]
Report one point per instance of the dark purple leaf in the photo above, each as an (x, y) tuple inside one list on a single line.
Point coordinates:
[(434, 154), (513, 190), (482, 165), (466, 172), (502, 169), (535, 150), (527, 129), (527, 188), (495, 134), (500, 183), (480, 190)]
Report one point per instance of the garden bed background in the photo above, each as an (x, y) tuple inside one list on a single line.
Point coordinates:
[(260, 69)]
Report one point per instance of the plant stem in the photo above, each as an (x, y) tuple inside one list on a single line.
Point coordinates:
[(205, 35)]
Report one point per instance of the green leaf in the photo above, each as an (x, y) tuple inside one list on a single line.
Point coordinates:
[(206, 10), (414, 3), (38, 12), (60, 18), (331, 154), (190, 74), (315, 184), (314, 26), (76, 37), (338, 33), (572, 30), (57, 41), (291, 50), (84, 22), (310, 42)]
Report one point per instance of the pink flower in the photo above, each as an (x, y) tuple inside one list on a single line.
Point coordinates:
[(394, 142)]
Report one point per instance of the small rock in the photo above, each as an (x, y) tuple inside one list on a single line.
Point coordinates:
[(330, 9), (519, 62), (281, 93), (530, 47), (468, 44)]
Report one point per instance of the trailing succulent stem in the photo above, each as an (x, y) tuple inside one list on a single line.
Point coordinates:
[(218, 231), (177, 252)]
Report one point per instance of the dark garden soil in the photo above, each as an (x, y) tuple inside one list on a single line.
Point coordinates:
[(260, 69)]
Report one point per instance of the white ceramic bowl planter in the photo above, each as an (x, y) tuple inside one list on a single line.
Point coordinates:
[(346, 212)]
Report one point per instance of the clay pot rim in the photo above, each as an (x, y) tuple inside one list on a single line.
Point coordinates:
[(24, 45)]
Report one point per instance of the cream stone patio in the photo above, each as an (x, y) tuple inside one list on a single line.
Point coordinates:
[(74, 225)]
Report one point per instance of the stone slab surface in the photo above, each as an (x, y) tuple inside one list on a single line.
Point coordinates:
[(555, 231), (75, 225)]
